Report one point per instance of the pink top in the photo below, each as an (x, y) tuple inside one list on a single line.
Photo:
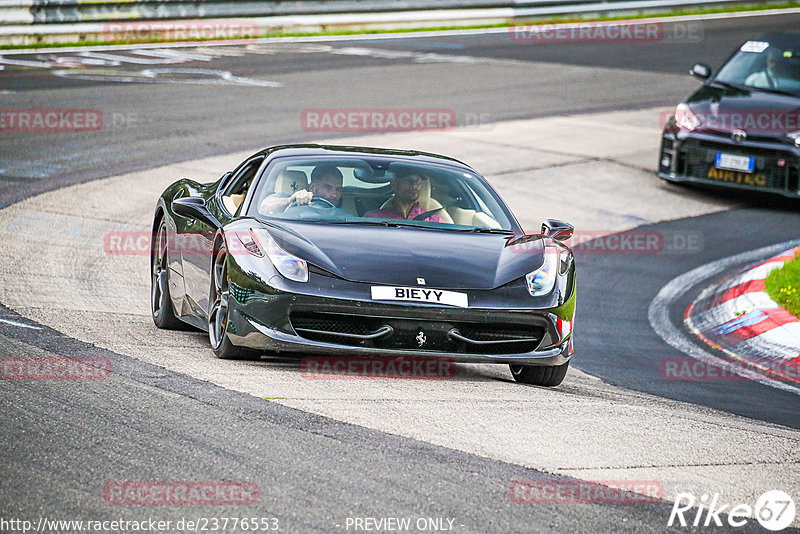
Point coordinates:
[(390, 212)]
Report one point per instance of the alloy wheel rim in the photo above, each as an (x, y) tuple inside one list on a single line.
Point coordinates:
[(158, 268), (218, 317)]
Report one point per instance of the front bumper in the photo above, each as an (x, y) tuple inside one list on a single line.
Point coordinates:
[(690, 158), (351, 328)]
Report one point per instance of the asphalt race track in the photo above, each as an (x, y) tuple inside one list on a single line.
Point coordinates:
[(565, 130)]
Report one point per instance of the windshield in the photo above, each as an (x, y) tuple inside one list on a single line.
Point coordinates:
[(378, 191), (763, 66)]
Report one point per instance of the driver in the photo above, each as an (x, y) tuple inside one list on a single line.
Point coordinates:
[(766, 79), (405, 203), (326, 183)]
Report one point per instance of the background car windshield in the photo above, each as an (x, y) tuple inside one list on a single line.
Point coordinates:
[(763, 66), (436, 196)]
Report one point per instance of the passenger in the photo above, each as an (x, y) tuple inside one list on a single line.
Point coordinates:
[(405, 203), (326, 183)]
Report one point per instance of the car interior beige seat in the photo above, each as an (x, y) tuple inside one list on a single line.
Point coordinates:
[(236, 194), (290, 182), (232, 202), (426, 202), (462, 216), (471, 217), (287, 183)]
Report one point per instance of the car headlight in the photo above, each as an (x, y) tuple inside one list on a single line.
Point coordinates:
[(794, 137), (247, 240), (542, 280), (686, 118), (258, 242)]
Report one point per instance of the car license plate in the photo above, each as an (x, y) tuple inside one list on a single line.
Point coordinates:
[(734, 163), (420, 294)]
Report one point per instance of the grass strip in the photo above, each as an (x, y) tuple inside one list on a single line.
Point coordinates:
[(783, 286), (371, 31)]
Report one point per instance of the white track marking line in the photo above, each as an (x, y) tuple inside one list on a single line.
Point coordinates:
[(25, 63), (21, 325), (153, 60), (658, 311)]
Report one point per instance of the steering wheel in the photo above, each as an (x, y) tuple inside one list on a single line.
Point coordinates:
[(314, 199)]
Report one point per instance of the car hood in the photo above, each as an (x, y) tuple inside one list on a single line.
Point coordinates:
[(399, 256), (724, 109)]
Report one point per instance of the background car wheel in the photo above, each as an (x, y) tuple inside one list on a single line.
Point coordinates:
[(160, 302), (540, 375), (218, 314)]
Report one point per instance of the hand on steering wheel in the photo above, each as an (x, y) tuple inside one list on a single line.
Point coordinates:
[(323, 200), (314, 199)]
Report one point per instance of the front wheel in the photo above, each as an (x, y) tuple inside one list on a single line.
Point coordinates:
[(218, 314), (540, 375)]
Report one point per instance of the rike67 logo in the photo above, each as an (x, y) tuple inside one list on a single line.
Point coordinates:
[(774, 510)]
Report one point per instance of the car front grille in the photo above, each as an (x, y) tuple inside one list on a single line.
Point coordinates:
[(331, 323), (696, 158), (417, 335)]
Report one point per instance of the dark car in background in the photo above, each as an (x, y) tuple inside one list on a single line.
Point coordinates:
[(341, 273), (741, 129)]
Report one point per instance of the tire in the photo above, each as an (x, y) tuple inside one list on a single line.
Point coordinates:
[(672, 183), (218, 314), (540, 375), (160, 301)]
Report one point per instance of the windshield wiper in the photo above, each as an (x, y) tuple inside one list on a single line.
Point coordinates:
[(392, 223), (753, 88), (776, 91), (486, 230), (727, 84), (365, 223)]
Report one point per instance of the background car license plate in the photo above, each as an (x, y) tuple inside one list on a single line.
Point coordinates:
[(734, 163), (419, 294)]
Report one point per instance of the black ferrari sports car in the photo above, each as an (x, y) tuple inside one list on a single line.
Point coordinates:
[(362, 252), (741, 129)]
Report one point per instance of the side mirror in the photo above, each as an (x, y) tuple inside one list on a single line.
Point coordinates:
[(558, 230), (700, 71), (195, 208)]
